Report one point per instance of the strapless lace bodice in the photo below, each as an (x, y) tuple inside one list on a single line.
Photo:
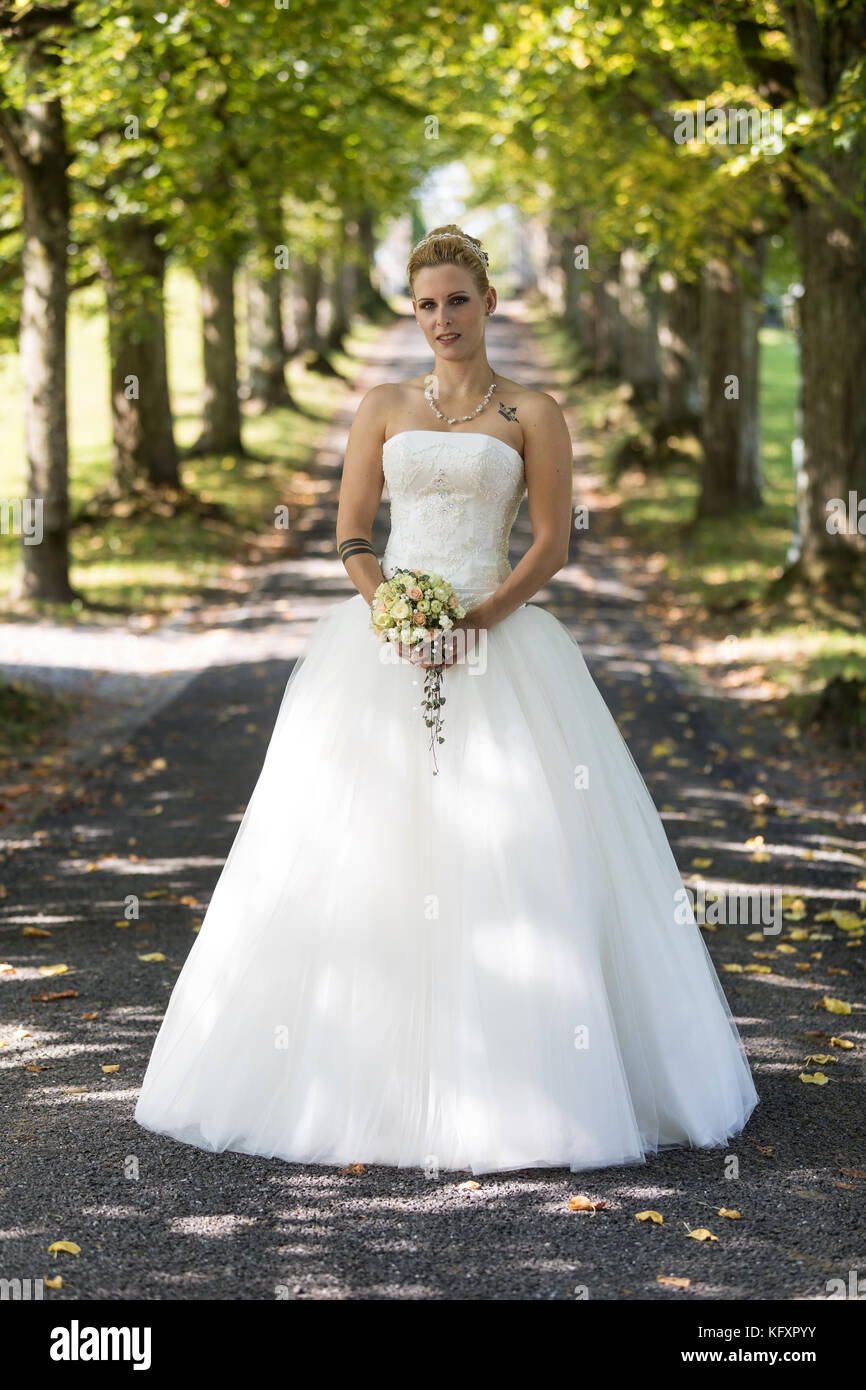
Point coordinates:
[(453, 498)]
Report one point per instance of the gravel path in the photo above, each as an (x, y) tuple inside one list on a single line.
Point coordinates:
[(159, 1220)]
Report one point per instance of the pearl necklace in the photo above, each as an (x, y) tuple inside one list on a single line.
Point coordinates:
[(458, 419)]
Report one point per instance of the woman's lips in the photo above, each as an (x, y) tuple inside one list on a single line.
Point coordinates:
[(447, 337)]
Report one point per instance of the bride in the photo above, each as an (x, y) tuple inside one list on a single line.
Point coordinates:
[(485, 969)]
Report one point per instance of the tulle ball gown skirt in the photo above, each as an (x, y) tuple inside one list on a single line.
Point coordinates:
[(482, 970)]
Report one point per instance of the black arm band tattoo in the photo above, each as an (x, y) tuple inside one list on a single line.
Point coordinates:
[(352, 540), (356, 550)]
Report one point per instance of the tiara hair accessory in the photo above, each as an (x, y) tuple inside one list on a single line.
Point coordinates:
[(455, 236)]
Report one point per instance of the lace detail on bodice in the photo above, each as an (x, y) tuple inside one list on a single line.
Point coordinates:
[(454, 498)]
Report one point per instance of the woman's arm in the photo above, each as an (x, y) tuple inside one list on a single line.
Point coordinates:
[(548, 457), (361, 486)]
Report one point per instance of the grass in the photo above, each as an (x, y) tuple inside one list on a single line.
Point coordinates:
[(713, 575), (27, 718), (151, 564)]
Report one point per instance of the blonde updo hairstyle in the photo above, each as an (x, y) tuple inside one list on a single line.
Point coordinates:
[(443, 246)]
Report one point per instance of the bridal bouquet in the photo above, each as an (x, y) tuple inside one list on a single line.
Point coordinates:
[(414, 608)]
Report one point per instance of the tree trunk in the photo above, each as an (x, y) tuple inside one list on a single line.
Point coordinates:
[(339, 298), (221, 432), (827, 43), (606, 320), (265, 337), (730, 378), (679, 399), (371, 303), (311, 341), (34, 143), (832, 249), (310, 286), (750, 480), (134, 273), (575, 284), (640, 345)]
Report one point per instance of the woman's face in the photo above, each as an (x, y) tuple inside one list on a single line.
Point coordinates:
[(451, 309)]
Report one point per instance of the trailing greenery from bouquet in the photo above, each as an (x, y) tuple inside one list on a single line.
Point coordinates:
[(415, 611)]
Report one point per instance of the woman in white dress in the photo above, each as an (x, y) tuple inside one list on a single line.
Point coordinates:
[(489, 968)]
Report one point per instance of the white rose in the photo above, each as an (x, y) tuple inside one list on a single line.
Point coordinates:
[(401, 610)]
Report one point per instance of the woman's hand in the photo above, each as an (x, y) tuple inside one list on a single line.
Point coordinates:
[(449, 647), (468, 637), (407, 653)]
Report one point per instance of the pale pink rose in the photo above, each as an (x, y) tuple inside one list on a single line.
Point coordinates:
[(419, 619), (452, 602), (414, 593)]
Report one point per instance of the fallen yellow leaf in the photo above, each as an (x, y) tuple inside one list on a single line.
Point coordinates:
[(53, 969), (115, 1066), (654, 1216), (817, 1079), (701, 1234), (582, 1203), (68, 1245), (833, 1006)]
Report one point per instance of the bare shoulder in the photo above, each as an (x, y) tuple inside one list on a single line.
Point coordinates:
[(541, 409), (537, 412), (386, 399), (380, 399)]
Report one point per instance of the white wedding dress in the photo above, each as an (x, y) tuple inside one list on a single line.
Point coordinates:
[(485, 969)]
